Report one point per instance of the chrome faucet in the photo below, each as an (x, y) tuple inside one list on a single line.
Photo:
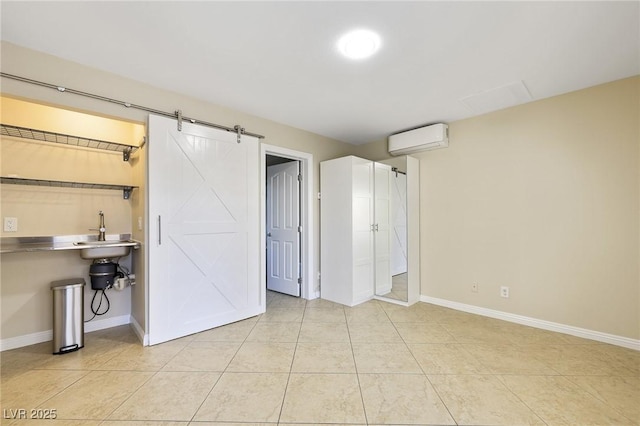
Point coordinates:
[(102, 229)]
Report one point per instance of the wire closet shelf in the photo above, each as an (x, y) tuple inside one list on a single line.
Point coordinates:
[(48, 136)]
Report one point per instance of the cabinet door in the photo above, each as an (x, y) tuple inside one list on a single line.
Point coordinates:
[(362, 228), (204, 243), (382, 228)]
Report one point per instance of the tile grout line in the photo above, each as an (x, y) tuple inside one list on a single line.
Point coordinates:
[(222, 373), (295, 349), (355, 365)]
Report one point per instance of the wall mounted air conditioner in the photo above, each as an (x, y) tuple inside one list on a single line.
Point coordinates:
[(420, 139)]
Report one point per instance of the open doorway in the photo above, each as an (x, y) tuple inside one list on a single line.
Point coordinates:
[(279, 171)]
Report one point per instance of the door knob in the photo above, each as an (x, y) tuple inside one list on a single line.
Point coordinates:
[(269, 234)]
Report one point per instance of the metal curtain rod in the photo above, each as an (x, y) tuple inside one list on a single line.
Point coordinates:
[(177, 114)]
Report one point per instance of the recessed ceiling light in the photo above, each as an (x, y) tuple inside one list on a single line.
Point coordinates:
[(359, 44)]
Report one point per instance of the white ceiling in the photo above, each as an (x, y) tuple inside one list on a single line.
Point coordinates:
[(278, 60)]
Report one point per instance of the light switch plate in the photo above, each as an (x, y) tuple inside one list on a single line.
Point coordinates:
[(10, 224)]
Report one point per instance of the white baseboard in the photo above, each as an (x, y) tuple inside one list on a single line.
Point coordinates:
[(537, 323), (45, 336), (26, 340), (96, 325), (144, 338)]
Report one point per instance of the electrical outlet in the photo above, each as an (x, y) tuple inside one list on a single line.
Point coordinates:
[(139, 223), (474, 287), (10, 224), (504, 292)]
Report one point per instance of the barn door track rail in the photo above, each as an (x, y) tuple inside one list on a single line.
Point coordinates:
[(237, 129)]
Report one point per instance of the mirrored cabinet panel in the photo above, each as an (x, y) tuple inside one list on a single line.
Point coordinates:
[(404, 207), (366, 244)]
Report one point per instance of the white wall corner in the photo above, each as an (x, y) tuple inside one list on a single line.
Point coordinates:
[(144, 338), (537, 323)]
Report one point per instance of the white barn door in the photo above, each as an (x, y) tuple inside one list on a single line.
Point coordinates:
[(203, 233)]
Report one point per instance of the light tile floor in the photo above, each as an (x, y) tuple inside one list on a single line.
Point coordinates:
[(316, 362)]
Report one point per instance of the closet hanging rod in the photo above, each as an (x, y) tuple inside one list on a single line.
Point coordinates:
[(177, 114)]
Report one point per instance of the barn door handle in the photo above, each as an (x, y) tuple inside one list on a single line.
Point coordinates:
[(159, 230)]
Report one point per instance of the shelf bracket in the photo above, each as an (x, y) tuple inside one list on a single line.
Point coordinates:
[(126, 153)]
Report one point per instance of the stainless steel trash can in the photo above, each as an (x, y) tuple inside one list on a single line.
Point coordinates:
[(68, 315)]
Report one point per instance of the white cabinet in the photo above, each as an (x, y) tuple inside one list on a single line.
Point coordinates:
[(355, 229)]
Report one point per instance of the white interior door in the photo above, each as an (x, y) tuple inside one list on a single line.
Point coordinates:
[(203, 239), (283, 234), (382, 230)]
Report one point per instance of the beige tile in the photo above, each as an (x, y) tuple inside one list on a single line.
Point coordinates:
[(279, 300), (367, 313), (203, 356), (414, 313), (323, 398), (558, 401), (95, 354), (323, 332), (472, 332), (29, 390), (324, 315), (145, 358), (293, 314), (235, 332), (482, 400), (384, 358), (442, 315), (245, 397), (323, 358), (509, 359), (620, 358), (366, 316), (379, 332), (583, 360), (97, 394), (230, 424), (621, 393), (523, 335), (49, 422), (324, 304), (423, 333), (167, 396), (316, 424), (282, 332), (446, 359), (139, 423), (402, 399), (21, 360), (258, 357)]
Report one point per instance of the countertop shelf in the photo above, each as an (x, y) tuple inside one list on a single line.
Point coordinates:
[(62, 242), (126, 189), (47, 136)]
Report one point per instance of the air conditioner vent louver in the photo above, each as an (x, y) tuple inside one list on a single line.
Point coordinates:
[(421, 139)]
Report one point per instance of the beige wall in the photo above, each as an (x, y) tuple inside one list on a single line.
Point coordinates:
[(543, 198), (34, 65)]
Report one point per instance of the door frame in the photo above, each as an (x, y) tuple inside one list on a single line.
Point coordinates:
[(306, 216)]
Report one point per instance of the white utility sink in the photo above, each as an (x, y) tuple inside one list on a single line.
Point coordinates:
[(105, 249)]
